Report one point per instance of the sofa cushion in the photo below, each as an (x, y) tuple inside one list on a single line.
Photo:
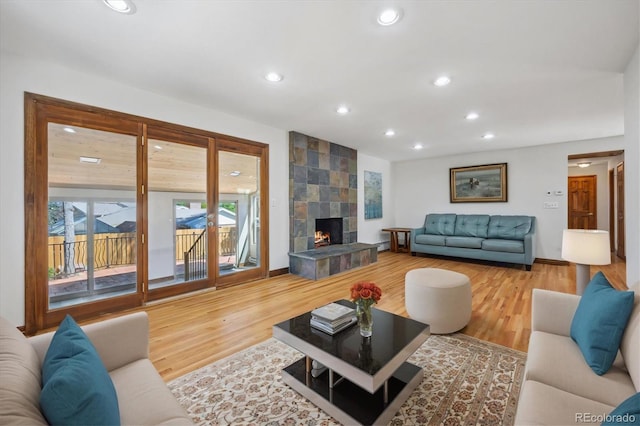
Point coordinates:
[(472, 225), (434, 240), (465, 242), (144, 397), (19, 378), (76, 388), (509, 227), (557, 361), (541, 404), (507, 246), (626, 413), (440, 224), (600, 321)]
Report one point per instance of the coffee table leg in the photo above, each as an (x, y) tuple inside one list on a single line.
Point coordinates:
[(385, 393), (332, 382)]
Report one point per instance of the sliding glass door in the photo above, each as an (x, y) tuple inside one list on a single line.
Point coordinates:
[(238, 189), (179, 224), (121, 210)]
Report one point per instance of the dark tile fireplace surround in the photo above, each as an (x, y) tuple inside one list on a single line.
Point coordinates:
[(323, 184)]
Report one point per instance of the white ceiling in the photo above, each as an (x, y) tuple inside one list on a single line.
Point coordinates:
[(537, 72)]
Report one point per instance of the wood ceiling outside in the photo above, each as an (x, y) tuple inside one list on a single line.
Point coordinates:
[(172, 167)]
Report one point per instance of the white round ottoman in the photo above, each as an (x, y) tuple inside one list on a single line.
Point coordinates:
[(439, 298)]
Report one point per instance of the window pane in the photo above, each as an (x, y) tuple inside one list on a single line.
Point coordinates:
[(91, 214), (177, 213), (239, 183)]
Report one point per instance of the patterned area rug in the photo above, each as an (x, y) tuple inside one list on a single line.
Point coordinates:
[(466, 382)]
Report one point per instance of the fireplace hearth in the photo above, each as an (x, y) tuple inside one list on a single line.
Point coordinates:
[(328, 232)]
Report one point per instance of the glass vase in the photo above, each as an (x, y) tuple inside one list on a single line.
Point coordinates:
[(365, 317)]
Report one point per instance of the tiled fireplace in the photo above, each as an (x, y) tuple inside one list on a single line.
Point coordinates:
[(323, 188)]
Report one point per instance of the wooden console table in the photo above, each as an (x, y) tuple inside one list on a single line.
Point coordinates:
[(396, 247)]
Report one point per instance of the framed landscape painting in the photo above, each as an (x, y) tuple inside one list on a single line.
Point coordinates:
[(478, 184), (372, 195)]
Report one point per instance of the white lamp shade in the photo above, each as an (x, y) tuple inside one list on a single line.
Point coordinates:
[(587, 247)]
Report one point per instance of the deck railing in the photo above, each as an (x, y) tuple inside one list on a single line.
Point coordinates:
[(108, 250), (120, 249)]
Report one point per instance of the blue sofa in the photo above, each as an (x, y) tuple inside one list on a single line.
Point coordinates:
[(498, 238)]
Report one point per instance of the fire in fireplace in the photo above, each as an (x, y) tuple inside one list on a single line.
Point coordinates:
[(328, 232)]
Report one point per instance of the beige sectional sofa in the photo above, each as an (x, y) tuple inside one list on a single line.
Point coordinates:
[(123, 346), (559, 387)]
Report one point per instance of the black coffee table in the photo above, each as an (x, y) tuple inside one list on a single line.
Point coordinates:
[(367, 378)]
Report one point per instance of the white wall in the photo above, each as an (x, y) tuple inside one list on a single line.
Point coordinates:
[(422, 186), (632, 167), (370, 230), (18, 75)]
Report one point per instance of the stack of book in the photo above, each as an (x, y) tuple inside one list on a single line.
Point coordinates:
[(333, 318)]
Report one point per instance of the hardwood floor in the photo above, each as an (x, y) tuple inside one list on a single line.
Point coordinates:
[(192, 331)]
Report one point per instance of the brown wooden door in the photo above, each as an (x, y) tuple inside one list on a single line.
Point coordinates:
[(620, 251), (582, 202)]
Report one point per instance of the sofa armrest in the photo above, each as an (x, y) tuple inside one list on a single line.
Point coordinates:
[(530, 244), (552, 311), (414, 232), (119, 341)]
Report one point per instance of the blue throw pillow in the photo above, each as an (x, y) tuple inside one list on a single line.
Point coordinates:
[(627, 413), (76, 387), (599, 322)]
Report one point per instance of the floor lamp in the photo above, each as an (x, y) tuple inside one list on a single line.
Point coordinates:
[(584, 248)]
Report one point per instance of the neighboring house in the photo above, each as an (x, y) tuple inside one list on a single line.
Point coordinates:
[(187, 218), (108, 218)]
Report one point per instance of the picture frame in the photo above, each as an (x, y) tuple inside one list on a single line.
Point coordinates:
[(478, 184), (372, 195)]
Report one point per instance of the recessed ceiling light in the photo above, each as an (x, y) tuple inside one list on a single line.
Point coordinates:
[(90, 160), (273, 77), (158, 147), (343, 109), (69, 130), (121, 6), (584, 164), (442, 81), (389, 17), (235, 173), (418, 146), (488, 136), (390, 132), (472, 116)]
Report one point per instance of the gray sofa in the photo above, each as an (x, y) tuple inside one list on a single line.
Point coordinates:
[(497, 238), (123, 346), (559, 386)]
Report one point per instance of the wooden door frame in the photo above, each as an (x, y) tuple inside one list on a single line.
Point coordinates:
[(612, 210), (176, 136), (39, 112), (603, 154), (260, 151), (621, 249)]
